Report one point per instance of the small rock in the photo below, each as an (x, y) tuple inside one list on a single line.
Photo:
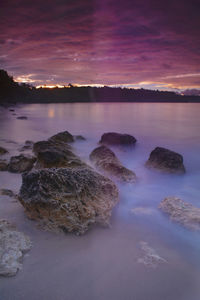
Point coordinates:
[(79, 138), (21, 163), (7, 192), (105, 160), (22, 118), (3, 165), (166, 160), (182, 212), (11, 109), (150, 258), (3, 151), (68, 199), (27, 146), (13, 245), (113, 138)]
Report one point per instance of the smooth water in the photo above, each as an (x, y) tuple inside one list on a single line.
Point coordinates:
[(102, 264)]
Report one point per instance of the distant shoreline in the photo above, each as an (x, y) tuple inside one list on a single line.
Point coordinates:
[(13, 92)]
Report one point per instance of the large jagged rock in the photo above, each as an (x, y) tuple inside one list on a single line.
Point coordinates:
[(3, 151), (166, 160), (114, 138), (181, 212), (64, 137), (55, 154), (21, 163), (13, 245), (106, 161), (68, 199)]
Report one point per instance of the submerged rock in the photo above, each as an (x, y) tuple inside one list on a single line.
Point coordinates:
[(150, 257), (113, 138), (21, 163), (55, 154), (22, 118), (64, 136), (166, 160), (181, 212), (142, 211), (3, 165), (3, 151), (105, 160), (13, 245), (68, 199)]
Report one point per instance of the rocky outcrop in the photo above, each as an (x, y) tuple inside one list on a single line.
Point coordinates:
[(3, 151), (113, 138), (181, 212), (55, 154), (3, 165), (68, 199), (106, 161), (166, 160), (21, 163), (13, 245)]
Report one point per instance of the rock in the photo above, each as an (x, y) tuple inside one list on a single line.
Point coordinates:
[(11, 109), (22, 118), (64, 136), (21, 163), (3, 165), (13, 245), (113, 138), (106, 161), (181, 212), (68, 199), (3, 151), (79, 138), (27, 146), (55, 154), (8, 193), (150, 258), (166, 160)]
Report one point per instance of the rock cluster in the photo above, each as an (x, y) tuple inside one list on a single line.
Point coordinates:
[(114, 138), (68, 199), (166, 160), (13, 245), (106, 161), (181, 212)]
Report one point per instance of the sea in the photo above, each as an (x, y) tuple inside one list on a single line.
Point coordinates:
[(111, 263)]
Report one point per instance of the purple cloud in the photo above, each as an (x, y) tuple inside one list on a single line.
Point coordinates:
[(107, 41)]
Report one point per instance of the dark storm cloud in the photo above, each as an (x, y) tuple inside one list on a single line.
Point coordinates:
[(107, 41)]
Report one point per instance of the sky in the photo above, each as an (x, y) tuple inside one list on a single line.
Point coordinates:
[(129, 43)]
